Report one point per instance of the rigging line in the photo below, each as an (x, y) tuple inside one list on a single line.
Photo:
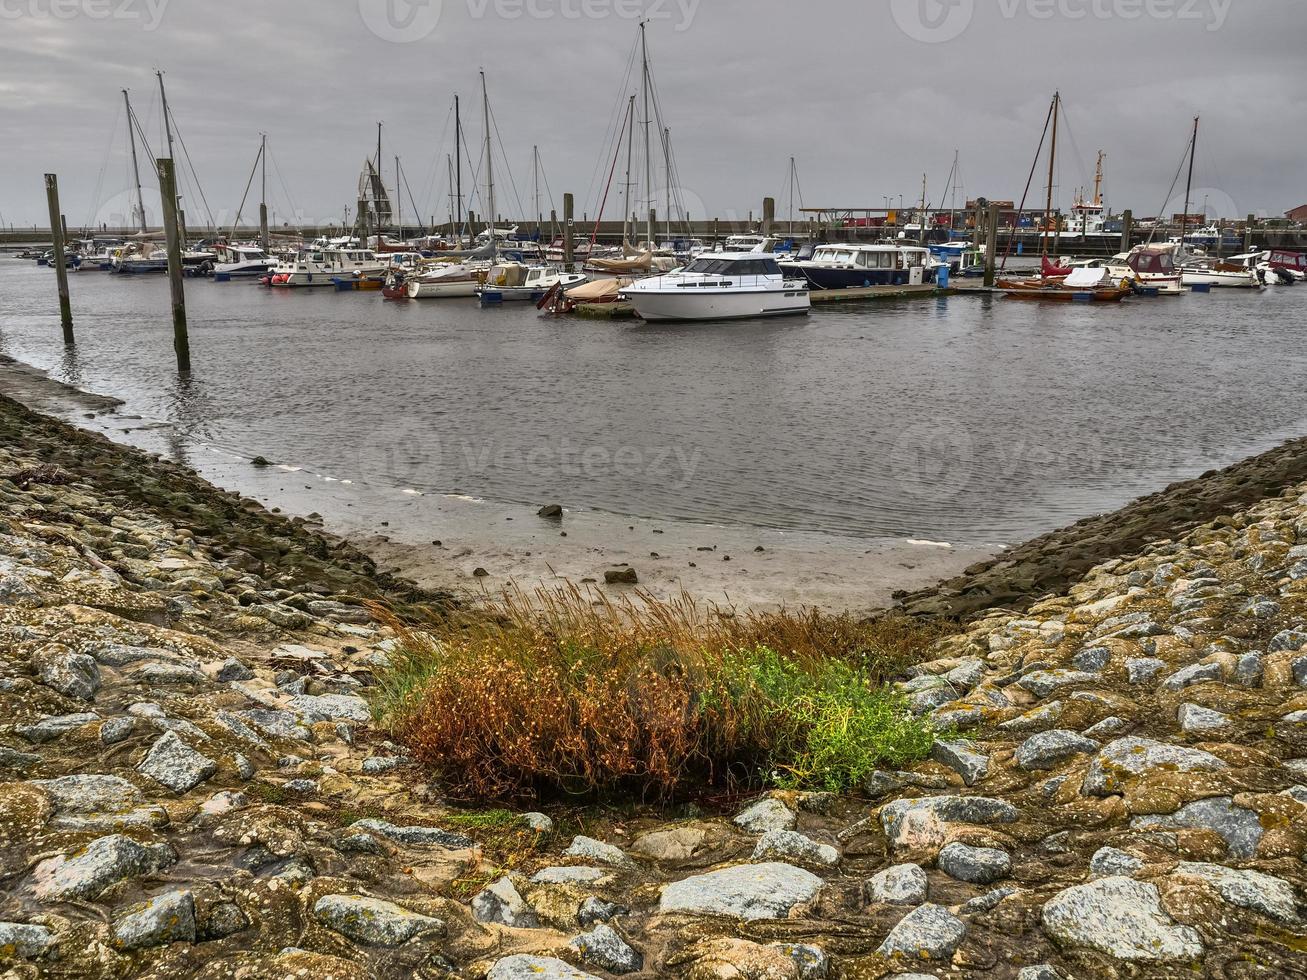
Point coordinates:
[(186, 154), (428, 187), (248, 184), (503, 155), (1029, 180), (420, 221), (616, 124), (1174, 180), (295, 211), (104, 164), (149, 150)]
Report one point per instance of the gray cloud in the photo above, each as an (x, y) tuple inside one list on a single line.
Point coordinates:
[(867, 95)]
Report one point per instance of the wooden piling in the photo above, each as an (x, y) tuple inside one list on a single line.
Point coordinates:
[(1127, 229), (768, 215), (168, 192), (714, 232), (1248, 232), (569, 254), (60, 269), (991, 245)]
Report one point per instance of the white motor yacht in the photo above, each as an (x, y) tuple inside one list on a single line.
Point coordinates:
[(720, 286)]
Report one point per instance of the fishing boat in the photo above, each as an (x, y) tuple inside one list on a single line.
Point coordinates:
[(320, 267), (1082, 285), (241, 262), (515, 281), (720, 286), (853, 265)]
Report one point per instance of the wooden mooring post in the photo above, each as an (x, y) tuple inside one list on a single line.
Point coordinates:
[(569, 255), (768, 215), (991, 245), (1127, 229), (60, 269), (181, 342)]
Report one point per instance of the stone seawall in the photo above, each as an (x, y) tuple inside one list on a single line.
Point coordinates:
[(190, 785)]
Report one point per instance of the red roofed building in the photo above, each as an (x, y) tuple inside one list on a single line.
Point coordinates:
[(1298, 214)]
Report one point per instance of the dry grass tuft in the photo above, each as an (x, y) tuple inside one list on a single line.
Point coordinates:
[(555, 693)]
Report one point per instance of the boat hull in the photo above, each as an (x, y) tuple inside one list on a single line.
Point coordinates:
[(718, 305), (458, 289), (828, 278), (1216, 278)]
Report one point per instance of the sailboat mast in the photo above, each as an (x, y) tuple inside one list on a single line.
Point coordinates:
[(626, 192), (399, 202), (263, 193), (449, 164), (490, 163), (953, 198), (131, 137), (791, 231), (922, 218), (648, 159), (167, 125), (1052, 159), (458, 166), (1188, 187), (535, 162), (667, 170)]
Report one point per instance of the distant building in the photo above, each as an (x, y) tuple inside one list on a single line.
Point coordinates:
[(1298, 214)]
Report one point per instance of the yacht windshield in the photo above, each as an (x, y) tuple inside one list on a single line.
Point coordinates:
[(737, 267)]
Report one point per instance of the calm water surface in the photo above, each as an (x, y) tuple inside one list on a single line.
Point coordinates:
[(959, 419)]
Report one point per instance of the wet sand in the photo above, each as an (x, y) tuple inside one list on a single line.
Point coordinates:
[(441, 542)]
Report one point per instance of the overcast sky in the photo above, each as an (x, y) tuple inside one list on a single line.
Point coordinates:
[(866, 94)]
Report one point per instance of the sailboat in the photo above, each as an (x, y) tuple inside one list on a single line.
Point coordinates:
[(1062, 283), (242, 261), (1199, 271)]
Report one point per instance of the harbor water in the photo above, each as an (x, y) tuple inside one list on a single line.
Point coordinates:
[(955, 419)]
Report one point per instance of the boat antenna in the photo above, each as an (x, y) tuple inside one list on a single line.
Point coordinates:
[(131, 136), (1188, 188)]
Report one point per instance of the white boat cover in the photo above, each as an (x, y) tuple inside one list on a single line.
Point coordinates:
[(1086, 278)]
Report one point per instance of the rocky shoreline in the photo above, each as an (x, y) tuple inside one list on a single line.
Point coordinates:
[(190, 785)]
